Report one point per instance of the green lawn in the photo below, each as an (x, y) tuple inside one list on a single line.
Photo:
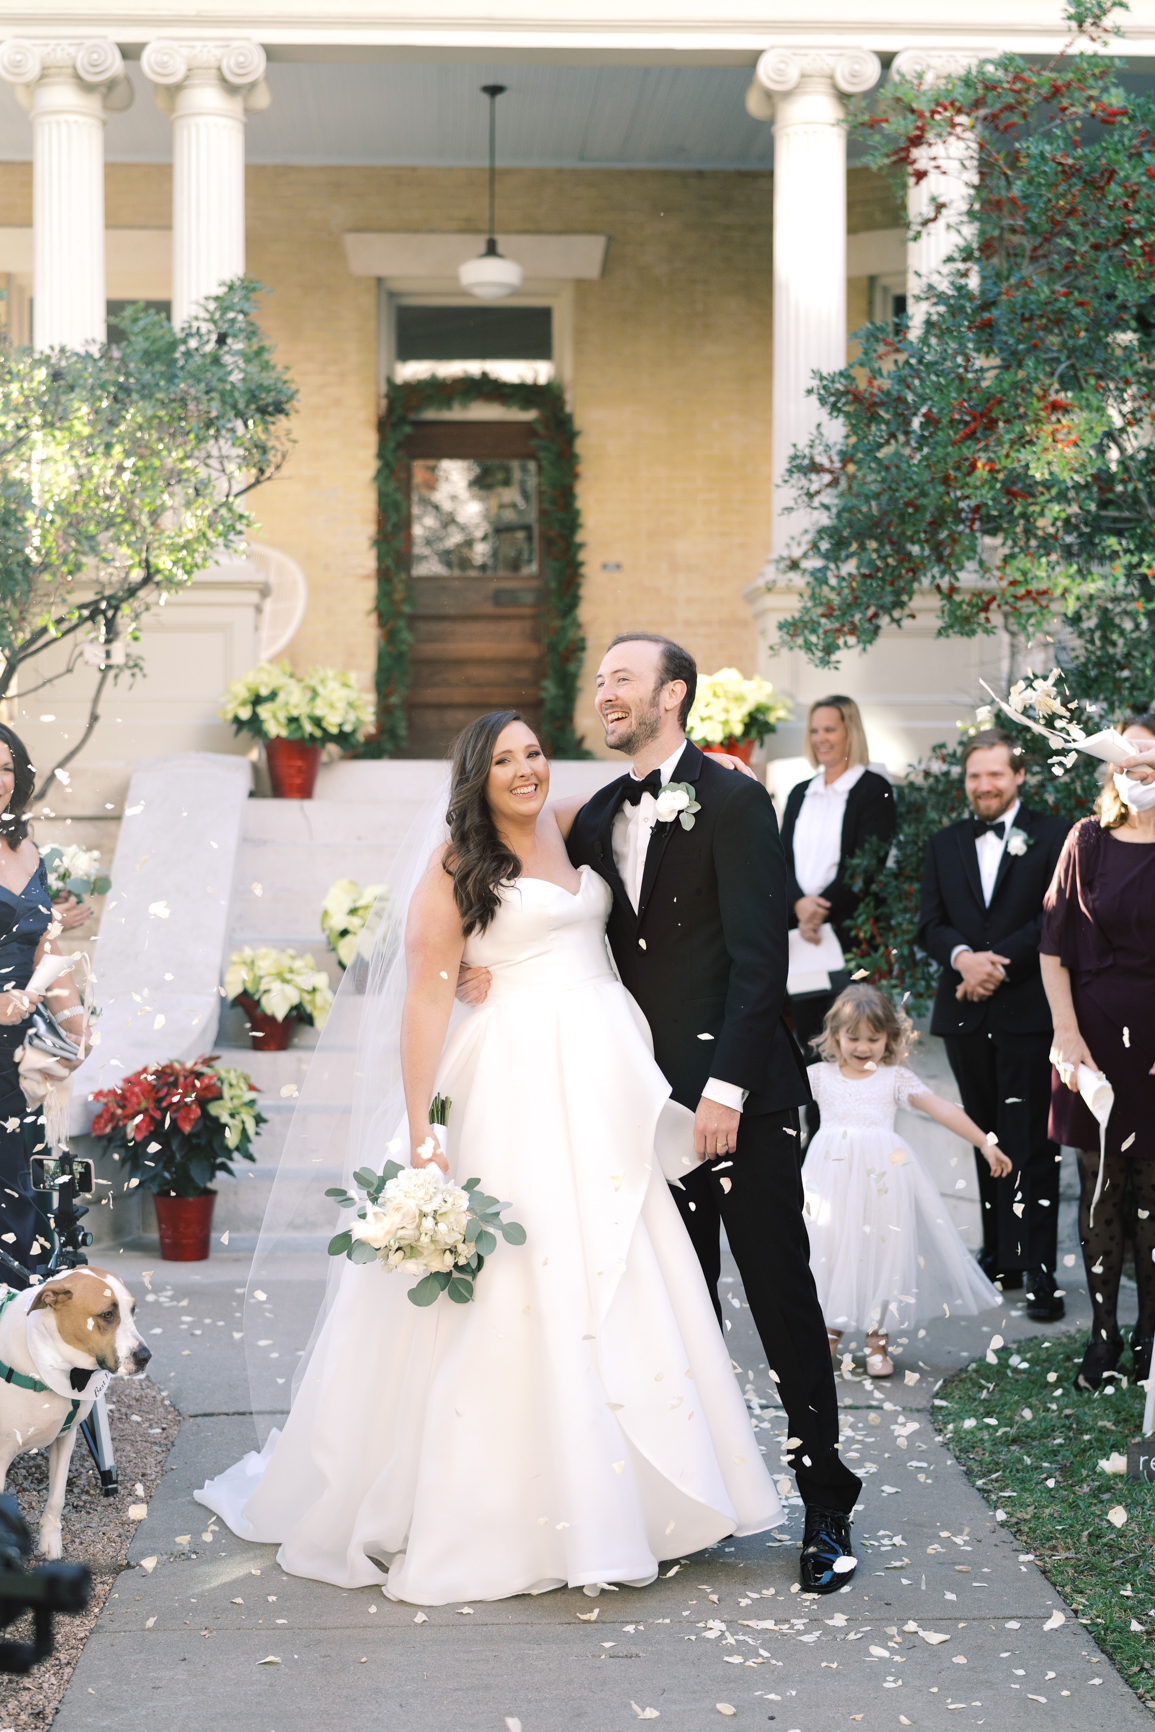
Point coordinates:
[(1038, 1467)]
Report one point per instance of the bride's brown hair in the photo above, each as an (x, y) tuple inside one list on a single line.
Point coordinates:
[(477, 859)]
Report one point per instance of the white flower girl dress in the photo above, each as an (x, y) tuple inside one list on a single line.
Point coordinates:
[(883, 1249)]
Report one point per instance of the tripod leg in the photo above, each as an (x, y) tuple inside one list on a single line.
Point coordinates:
[(98, 1437)]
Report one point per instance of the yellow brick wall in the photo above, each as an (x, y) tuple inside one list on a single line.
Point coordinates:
[(671, 378)]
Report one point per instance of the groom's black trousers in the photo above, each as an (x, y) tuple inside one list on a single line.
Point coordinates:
[(762, 1215)]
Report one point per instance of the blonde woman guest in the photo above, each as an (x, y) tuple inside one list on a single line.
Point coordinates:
[(1098, 965), (883, 1250), (828, 820)]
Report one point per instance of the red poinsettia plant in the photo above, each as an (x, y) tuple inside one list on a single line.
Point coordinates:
[(174, 1127)]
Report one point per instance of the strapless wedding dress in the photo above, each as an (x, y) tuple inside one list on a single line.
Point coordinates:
[(579, 1420)]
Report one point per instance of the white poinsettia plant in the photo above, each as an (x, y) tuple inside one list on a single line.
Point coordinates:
[(347, 918), (322, 706), (281, 983), (74, 871), (728, 708)]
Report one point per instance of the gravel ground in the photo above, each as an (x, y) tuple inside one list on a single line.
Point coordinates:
[(97, 1532)]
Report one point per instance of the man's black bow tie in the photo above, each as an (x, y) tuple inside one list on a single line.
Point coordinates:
[(981, 826), (651, 784)]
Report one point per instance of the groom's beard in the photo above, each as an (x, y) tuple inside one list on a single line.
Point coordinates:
[(647, 725)]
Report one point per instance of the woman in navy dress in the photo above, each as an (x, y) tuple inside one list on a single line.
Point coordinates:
[(25, 917)]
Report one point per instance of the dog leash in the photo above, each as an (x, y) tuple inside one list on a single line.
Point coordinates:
[(7, 1375)]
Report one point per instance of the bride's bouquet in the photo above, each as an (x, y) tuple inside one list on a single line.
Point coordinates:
[(417, 1220)]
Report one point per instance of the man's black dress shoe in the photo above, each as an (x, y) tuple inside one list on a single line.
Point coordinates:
[(1044, 1305), (827, 1562)]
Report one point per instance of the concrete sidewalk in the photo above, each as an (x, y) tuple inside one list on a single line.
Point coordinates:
[(183, 1645)]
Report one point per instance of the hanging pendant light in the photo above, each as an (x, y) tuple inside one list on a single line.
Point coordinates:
[(491, 277)]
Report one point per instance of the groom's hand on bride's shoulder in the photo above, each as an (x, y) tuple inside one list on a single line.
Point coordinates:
[(473, 984)]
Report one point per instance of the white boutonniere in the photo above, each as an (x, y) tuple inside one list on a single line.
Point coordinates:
[(1018, 841), (676, 800)]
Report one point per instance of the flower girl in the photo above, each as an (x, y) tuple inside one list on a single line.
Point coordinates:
[(883, 1250)]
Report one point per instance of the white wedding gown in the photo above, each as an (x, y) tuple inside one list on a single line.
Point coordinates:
[(579, 1420)]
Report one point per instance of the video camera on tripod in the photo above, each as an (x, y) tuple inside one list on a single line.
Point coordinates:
[(44, 1591)]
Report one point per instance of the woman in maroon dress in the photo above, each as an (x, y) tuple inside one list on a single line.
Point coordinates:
[(1098, 964)]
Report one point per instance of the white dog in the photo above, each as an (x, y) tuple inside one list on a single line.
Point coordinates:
[(60, 1345)]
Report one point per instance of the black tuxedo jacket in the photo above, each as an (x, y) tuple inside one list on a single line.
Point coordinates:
[(870, 811), (952, 912), (706, 953)]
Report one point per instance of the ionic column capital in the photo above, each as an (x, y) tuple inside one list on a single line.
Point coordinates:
[(235, 67), (849, 70), (92, 66), (929, 66), (820, 75)]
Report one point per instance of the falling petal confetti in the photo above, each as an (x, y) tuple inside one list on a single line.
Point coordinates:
[(269, 1660), (1055, 1619), (148, 1565), (725, 1708), (421, 1618), (1117, 1516), (645, 1713), (137, 1512)]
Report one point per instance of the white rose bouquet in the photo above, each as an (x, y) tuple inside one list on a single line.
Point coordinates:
[(74, 871), (417, 1220)]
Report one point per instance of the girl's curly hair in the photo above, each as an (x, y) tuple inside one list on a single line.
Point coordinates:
[(864, 1004)]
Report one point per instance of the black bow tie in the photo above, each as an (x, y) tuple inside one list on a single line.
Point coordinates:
[(651, 784), (981, 826)]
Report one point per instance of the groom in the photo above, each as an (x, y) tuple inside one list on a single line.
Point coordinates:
[(698, 931)]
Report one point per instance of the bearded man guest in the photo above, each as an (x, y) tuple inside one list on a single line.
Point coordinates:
[(698, 931), (981, 917)]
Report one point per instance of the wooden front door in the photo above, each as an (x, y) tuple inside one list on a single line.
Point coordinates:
[(475, 577)]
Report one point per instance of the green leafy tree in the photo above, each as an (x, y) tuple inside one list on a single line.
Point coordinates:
[(1000, 450), (123, 472)]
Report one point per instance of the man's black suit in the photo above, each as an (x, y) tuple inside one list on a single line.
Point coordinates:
[(705, 958), (998, 1047)]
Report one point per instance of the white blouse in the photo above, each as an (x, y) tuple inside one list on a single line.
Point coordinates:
[(818, 830)]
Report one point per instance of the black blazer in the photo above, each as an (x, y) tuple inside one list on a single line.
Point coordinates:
[(952, 912), (706, 952), (870, 811)]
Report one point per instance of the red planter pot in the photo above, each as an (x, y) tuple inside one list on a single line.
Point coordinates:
[(743, 749), (185, 1225), (292, 768), (266, 1034)]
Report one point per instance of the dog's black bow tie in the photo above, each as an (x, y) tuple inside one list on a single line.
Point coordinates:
[(79, 1378), (651, 784), (981, 826)]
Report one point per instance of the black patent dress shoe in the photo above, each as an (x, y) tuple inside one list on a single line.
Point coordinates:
[(1102, 1356), (1044, 1305), (827, 1562)]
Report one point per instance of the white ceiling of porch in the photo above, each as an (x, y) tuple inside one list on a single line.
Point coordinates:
[(414, 115)]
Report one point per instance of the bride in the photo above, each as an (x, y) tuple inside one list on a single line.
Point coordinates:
[(579, 1420)]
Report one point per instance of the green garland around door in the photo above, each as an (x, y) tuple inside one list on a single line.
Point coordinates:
[(553, 441)]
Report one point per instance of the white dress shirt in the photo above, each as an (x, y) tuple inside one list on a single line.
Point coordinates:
[(818, 830), (990, 850), (630, 841)]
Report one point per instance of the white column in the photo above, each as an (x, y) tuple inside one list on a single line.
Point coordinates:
[(950, 177), (207, 88), (806, 87), (67, 87)]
